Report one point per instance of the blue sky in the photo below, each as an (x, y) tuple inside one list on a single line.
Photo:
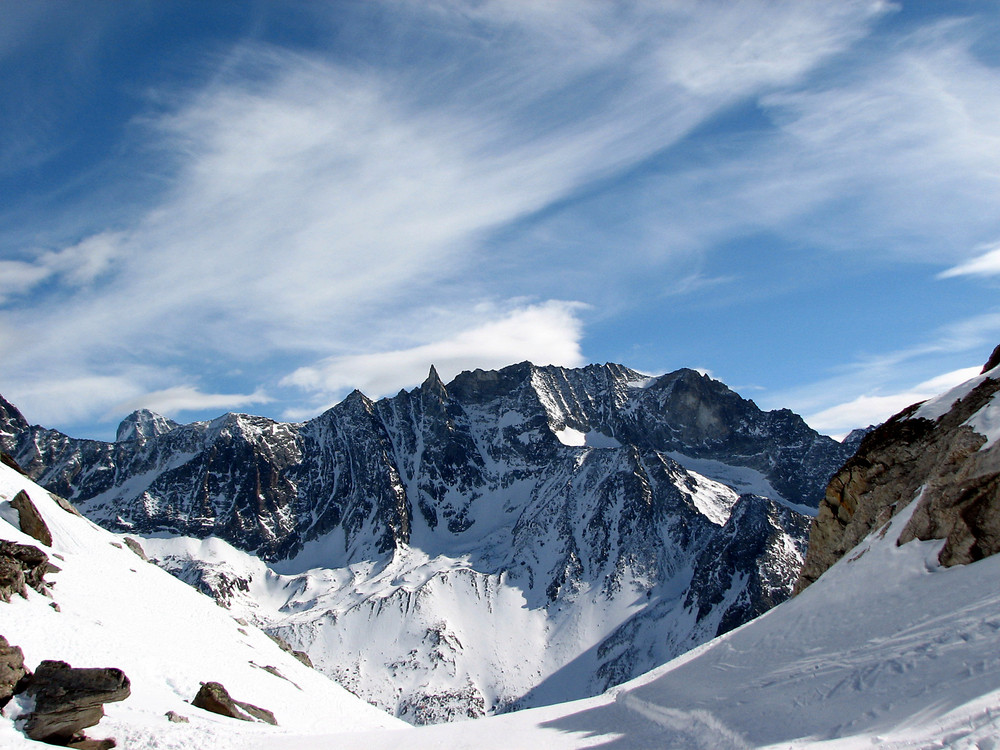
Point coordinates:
[(259, 207)]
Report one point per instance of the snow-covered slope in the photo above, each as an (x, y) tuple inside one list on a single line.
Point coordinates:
[(887, 649), (117, 610), (433, 638)]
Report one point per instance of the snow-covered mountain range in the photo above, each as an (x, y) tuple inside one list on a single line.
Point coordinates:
[(894, 644), (513, 538)]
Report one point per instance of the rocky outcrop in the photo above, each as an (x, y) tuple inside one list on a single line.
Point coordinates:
[(12, 671), (940, 461), (134, 545), (22, 565), (8, 460), (68, 700), (285, 646), (30, 520), (213, 696)]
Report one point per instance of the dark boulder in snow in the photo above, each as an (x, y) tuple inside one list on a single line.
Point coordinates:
[(22, 565), (68, 700), (30, 519), (7, 460), (213, 696), (12, 671)]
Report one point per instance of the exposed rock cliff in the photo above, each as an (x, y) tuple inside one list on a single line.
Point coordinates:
[(942, 454)]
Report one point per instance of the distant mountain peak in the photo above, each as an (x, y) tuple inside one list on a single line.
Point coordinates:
[(143, 424)]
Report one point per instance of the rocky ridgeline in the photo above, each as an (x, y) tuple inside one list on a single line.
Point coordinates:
[(932, 454), (378, 469)]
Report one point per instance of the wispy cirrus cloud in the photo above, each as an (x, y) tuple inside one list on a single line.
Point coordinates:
[(185, 398), (880, 158), (987, 264), (863, 411), (71, 267), (869, 390), (315, 204)]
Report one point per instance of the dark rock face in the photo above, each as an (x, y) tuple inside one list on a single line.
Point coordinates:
[(22, 565), (213, 696), (8, 460), (941, 464), (30, 519), (12, 671), (68, 700), (752, 548), (370, 468), (88, 744)]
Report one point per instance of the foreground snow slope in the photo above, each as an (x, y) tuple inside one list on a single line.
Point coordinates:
[(887, 649), (117, 610)]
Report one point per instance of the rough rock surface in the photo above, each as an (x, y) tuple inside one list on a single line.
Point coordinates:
[(85, 743), (941, 463), (12, 671), (285, 646), (22, 565), (213, 696), (68, 700), (30, 520), (134, 545), (8, 460)]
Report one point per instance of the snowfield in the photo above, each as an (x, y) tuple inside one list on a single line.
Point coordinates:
[(887, 649), (118, 611)]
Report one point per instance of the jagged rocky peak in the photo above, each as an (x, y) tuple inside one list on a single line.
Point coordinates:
[(943, 455), (433, 388), (143, 424), (12, 422)]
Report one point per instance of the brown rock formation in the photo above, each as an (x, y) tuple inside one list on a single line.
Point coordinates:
[(68, 700), (22, 565), (939, 463), (134, 545), (7, 460), (213, 696), (30, 519), (12, 671)]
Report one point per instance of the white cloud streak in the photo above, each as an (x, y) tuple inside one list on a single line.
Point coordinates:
[(863, 411), (987, 264), (316, 207), (881, 159), (183, 398), (547, 333), (871, 389)]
